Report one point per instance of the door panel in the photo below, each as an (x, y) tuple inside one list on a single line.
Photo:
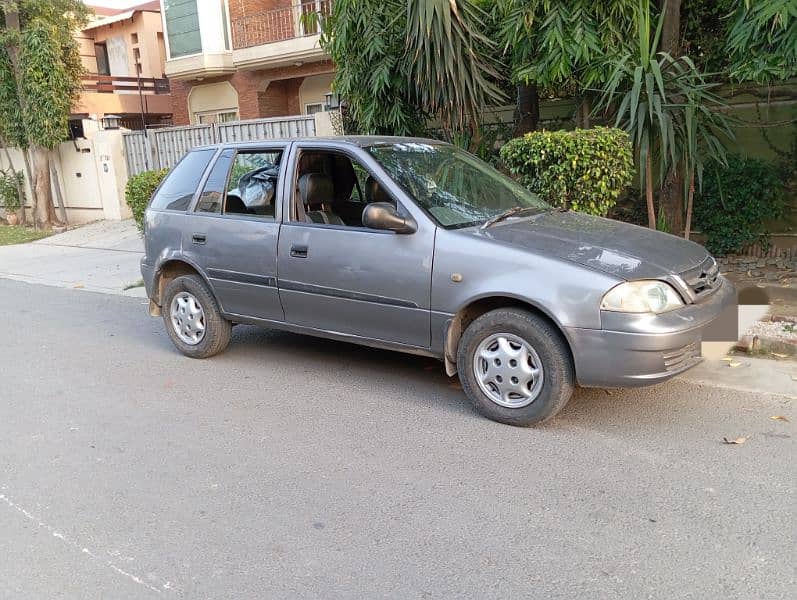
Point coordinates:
[(239, 257), (357, 281), (238, 250)]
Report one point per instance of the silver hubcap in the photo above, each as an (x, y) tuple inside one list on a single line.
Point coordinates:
[(188, 318), (508, 370)]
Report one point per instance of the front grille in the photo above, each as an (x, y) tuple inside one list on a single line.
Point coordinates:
[(677, 359), (702, 279)]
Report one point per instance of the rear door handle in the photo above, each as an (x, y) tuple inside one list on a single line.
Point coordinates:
[(299, 251), (199, 238)]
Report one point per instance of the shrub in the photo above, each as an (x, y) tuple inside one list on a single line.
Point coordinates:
[(585, 169), (735, 201), (139, 190), (9, 193)]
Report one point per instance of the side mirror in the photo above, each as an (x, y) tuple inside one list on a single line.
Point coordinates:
[(383, 215)]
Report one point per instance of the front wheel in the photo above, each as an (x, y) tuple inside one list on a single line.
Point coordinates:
[(515, 367), (193, 319)]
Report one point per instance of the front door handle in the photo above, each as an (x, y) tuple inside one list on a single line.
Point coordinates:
[(299, 251), (199, 238)]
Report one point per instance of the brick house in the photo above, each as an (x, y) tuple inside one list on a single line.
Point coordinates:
[(124, 55), (244, 59)]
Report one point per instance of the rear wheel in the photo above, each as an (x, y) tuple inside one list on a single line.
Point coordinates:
[(515, 367), (193, 319)]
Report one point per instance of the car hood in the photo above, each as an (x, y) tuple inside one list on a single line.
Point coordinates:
[(620, 249)]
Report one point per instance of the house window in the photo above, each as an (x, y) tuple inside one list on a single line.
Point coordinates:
[(182, 27), (216, 116), (134, 38), (224, 24), (315, 107), (103, 64)]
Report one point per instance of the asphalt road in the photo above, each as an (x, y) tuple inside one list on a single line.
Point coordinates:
[(290, 467)]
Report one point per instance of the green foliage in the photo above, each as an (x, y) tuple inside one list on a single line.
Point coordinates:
[(735, 202), (46, 84), (667, 107), (139, 190), (12, 126), (10, 184), (704, 27), (451, 67), (400, 63), (586, 169), (37, 97), (366, 41), (564, 46), (762, 41)]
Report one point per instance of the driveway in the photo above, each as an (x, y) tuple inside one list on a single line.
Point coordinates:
[(101, 257), (290, 467)]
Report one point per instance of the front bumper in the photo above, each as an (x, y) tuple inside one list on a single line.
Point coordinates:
[(642, 349)]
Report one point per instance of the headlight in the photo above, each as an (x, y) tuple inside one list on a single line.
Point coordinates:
[(641, 297)]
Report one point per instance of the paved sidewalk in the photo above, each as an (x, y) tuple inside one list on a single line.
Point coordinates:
[(99, 257), (757, 375)]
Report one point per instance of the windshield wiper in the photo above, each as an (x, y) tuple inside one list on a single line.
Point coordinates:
[(505, 215)]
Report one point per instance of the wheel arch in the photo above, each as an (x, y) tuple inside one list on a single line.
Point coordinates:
[(168, 271), (478, 306)]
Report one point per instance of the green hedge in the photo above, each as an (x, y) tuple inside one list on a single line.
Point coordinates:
[(9, 193), (585, 170), (139, 190), (736, 201)]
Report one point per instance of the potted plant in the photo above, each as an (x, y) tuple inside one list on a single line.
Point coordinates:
[(10, 186)]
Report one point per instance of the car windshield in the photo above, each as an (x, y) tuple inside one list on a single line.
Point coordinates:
[(454, 187)]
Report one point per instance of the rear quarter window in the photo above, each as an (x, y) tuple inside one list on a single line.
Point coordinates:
[(178, 188)]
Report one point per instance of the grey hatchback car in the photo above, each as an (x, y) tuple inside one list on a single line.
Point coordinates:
[(417, 246)]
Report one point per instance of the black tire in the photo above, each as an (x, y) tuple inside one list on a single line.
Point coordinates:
[(217, 328), (558, 379)]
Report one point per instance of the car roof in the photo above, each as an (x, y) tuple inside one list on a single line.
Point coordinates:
[(361, 141)]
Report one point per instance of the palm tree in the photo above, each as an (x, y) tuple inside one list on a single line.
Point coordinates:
[(452, 65), (669, 110)]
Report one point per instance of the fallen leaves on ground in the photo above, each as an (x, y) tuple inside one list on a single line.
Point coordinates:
[(738, 441), (779, 418), (734, 363)]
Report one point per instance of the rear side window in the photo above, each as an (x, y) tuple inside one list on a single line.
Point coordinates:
[(213, 195), (179, 186)]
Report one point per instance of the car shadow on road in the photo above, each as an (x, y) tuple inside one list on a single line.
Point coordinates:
[(418, 378), (425, 377)]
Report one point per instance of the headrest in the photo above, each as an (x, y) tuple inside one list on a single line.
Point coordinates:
[(374, 192), (315, 188)]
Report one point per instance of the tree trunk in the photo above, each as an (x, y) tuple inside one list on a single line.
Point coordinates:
[(43, 212), (527, 110), (671, 29), (62, 218), (649, 192), (672, 201), (475, 133), (689, 205), (585, 109), (29, 177)]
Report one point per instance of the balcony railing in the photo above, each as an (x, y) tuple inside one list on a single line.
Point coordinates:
[(280, 24), (109, 84)]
